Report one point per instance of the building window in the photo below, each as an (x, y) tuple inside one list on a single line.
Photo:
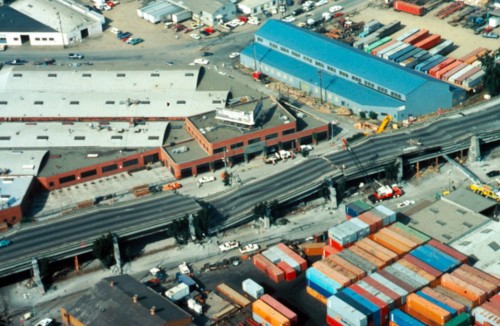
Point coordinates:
[(319, 64), (17, 75), (330, 68), (44, 39), (253, 141), (145, 102), (37, 39), (3, 102), (288, 132), (4, 137), (259, 39), (51, 38), (181, 102), (69, 178), (117, 137), (367, 83), (216, 102), (79, 138), (131, 162), (283, 49), (109, 168), (87, 174), (295, 54), (220, 150), (273, 45), (344, 74), (52, 75), (188, 74), (356, 79), (381, 89), (153, 137), (237, 145), (271, 136), (307, 59)]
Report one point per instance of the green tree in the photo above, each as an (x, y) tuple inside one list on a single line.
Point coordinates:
[(226, 178), (491, 68), (362, 115), (372, 115), (102, 249)]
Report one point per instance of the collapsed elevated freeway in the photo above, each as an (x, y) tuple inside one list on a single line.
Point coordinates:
[(74, 236)]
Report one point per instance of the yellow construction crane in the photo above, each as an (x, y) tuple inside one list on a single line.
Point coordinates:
[(486, 191), (384, 123)]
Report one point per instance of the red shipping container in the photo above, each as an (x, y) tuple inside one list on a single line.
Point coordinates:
[(429, 42), (488, 277), (487, 287), (443, 64), (384, 307), (329, 250), (441, 72), (348, 266), (417, 37), (407, 287), (417, 262), (444, 299), (334, 244), (372, 220), (279, 307), (292, 254), (496, 300), (491, 308), (449, 251), (332, 322), (272, 271), (261, 262), (409, 8), (382, 288), (290, 272)]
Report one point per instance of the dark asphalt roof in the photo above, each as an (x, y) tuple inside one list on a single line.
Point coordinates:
[(104, 304), (13, 21)]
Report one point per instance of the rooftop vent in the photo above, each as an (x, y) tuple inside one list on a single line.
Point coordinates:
[(441, 222), (446, 236), (493, 245), (152, 310), (135, 298)]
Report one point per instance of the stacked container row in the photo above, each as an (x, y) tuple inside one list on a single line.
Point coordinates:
[(264, 314), (280, 308), (272, 271), (356, 208), (488, 313), (233, 295)]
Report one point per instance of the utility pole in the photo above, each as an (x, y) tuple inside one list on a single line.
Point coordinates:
[(320, 75)]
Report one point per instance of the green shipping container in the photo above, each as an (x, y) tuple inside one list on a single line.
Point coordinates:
[(412, 231), (461, 320)]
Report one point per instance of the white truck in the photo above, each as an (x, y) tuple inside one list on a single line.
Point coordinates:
[(283, 155)]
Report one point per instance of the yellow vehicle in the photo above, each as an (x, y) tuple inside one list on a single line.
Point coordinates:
[(486, 191), (384, 123)]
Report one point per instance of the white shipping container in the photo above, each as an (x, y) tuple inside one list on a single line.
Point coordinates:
[(391, 286), (373, 291), (344, 313), (411, 274), (390, 214), (364, 229), (343, 234), (252, 288), (284, 257), (177, 292), (271, 256), (484, 317)]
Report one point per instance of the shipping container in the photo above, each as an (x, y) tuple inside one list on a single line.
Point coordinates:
[(383, 306), (491, 308), (453, 71), (398, 281), (476, 295), (341, 236), (417, 37), (431, 279), (382, 47), (365, 41), (408, 8), (398, 300), (332, 273), (454, 77), (282, 309), (380, 55), (178, 292), (356, 208), (368, 257), (438, 303), (391, 286), (419, 316), (435, 258), (390, 302), (484, 317), (420, 264), (290, 273), (476, 57), (374, 45), (429, 42), (374, 310), (463, 319), (401, 318), (233, 295), (440, 66), (407, 55), (264, 311), (460, 308), (271, 256), (429, 63), (357, 261), (432, 64), (439, 74), (183, 278), (454, 296), (360, 273), (261, 262), (328, 285), (443, 48), (407, 275), (408, 34), (312, 249), (488, 288), (342, 312), (252, 288), (474, 80), (372, 220), (329, 250), (318, 288), (472, 54), (286, 258), (389, 54), (315, 295), (391, 244), (377, 250), (487, 277), (388, 215), (473, 71), (339, 269), (350, 226), (401, 53), (290, 253), (332, 322), (411, 231), (418, 60), (364, 228), (356, 305), (400, 238), (390, 28), (496, 299), (428, 309)]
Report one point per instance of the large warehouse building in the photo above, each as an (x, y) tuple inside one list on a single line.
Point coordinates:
[(345, 76)]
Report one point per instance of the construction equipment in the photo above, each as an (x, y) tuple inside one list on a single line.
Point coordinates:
[(385, 192), (486, 191), (384, 123)]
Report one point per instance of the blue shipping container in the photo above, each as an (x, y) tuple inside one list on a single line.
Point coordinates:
[(432, 65), (429, 257), (319, 289), (403, 319), (399, 54), (367, 303), (452, 311), (443, 255), (182, 278), (407, 55), (322, 280), (356, 305)]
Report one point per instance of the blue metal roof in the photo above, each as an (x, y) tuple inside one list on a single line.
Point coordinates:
[(333, 83), (343, 56)]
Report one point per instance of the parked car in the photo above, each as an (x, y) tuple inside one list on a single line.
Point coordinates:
[(206, 179), (169, 63), (321, 3), (334, 9), (74, 56), (297, 12), (45, 322), (136, 40), (200, 61), (406, 203), (289, 19), (306, 148), (267, 13), (184, 268), (229, 245), (491, 35), (493, 173), (5, 243), (195, 36), (234, 55), (206, 54), (249, 248), (115, 30), (44, 62)]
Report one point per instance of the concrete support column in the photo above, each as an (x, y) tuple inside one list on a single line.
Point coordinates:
[(333, 193), (37, 275), (474, 149), (116, 248), (399, 164)]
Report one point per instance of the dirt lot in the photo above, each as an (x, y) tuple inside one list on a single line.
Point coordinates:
[(463, 38)]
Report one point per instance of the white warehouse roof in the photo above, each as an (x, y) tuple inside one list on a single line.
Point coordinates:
[(21, 162)]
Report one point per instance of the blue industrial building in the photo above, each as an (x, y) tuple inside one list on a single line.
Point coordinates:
[(346, 76)]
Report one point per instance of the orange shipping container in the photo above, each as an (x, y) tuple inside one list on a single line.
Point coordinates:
[(475, 281), (329, 250), (233, 295), (433, 281), (351, 276), (316, 295), (332, 273), (390, 243), (406, 235), (419, 316), (372, 220), (428, 309), (400, 238), (444, 299), (348, 266), (312, 249), (377, 250), (455, 296), (488, 277), (368, 257), (269, 314), (477, 296)]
